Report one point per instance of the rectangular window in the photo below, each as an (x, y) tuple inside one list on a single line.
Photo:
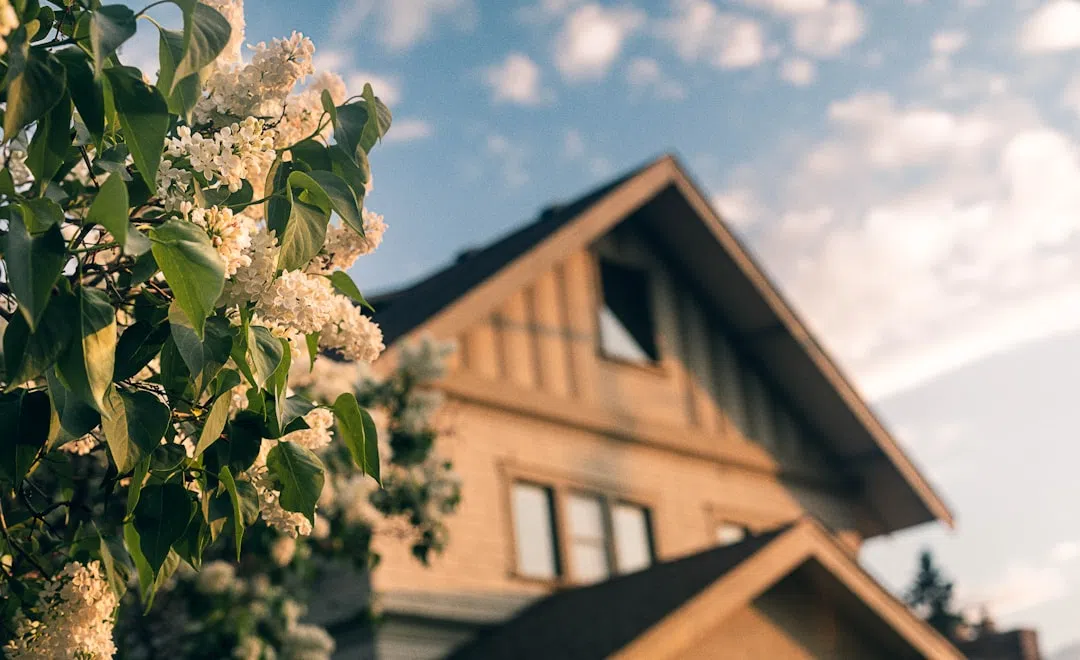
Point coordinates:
[(534, 531), (627, 327), (588, 538), (633, 542)]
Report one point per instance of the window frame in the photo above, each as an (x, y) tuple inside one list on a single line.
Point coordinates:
[(653, 364), (561, 487), (553, 515)]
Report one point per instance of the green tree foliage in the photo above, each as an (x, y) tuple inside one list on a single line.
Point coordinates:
[(170, 252), (931, 595)]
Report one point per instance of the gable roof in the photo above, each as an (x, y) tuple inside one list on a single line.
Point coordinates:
[(667, 204), (648, 614)]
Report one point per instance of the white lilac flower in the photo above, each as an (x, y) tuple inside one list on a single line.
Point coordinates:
[(298, 301), (14, 160), (250, 282), (81, 446), (233, 11), (238, 152), (77, 609), (321, 530), (216, 577), (349, 331), (258, 89), (374, 228), (425, 360), (9, 21), (254, 648), (230, 233), (327, 379), (352, 497), (287, 522), (305, 641), (317, 436), (283, 550), (304, 111), (421, 405)]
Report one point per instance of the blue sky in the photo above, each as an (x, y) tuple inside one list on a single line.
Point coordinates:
[(908, 171)]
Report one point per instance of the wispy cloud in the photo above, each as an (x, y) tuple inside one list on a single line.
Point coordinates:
[(399, 24), (699, 31), (409, 129), (644, 75), (1054, 26), (798, 71), (510, 157), (516, 80), (828, 31), (592, 38)]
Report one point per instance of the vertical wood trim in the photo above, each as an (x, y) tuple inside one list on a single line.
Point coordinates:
[(516, 341), (483, 349), (498, 327), (682, 321), (534, 330), (464, 353), (551, 335), (581, 307), (567, 335)]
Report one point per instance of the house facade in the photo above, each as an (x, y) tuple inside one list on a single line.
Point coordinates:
[(633, 405)]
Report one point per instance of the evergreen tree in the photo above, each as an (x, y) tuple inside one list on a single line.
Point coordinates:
[(931, 595)]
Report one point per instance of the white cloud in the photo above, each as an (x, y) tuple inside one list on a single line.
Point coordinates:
[(829, 31), (644, 74), (510, 157), (591, 39), (699, 31), (948, 42), (387, 88), (1055, 26), (1065, 552), (409, 129), (798, 71), (515, 80), (788, 7), (739, 207), (1021, 587), (918, 239), (896, 137), (400, 24)]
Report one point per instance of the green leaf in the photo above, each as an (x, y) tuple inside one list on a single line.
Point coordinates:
[(110, 209), (161, 517), (144, 119), (33, 90), (24, 430), (206, 33), (358, 431), (344, 285), (204, 357), (52, 137), (305, 232), (113, 573), (300, 475), (257, 354), (143, 568), (214, 423), (110, 26), (73, 418), (238, 517), (378, 120), (41, 213), (341, 197), (134, 424), (86, 367), (191, 267), (34, 263), (139, 344), (85, 90), (181, 95), (28, 354), (354, 170), (243, 440), (138, 480), (312, 153), (312, 340)]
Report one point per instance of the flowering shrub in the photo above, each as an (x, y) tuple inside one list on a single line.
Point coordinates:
[(253, 609), (171, 252)]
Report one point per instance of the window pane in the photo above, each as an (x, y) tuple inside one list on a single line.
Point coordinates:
[(588, 545), (627, 329), (729, 534), (632, 547), (534, 532)]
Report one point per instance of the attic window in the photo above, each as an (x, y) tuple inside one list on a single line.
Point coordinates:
[(627, 328)]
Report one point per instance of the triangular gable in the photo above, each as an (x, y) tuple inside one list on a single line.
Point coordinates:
[(675, 635), (766, 327)]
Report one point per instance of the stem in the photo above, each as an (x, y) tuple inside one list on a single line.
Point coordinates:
[(150, 6), (18, 548)]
